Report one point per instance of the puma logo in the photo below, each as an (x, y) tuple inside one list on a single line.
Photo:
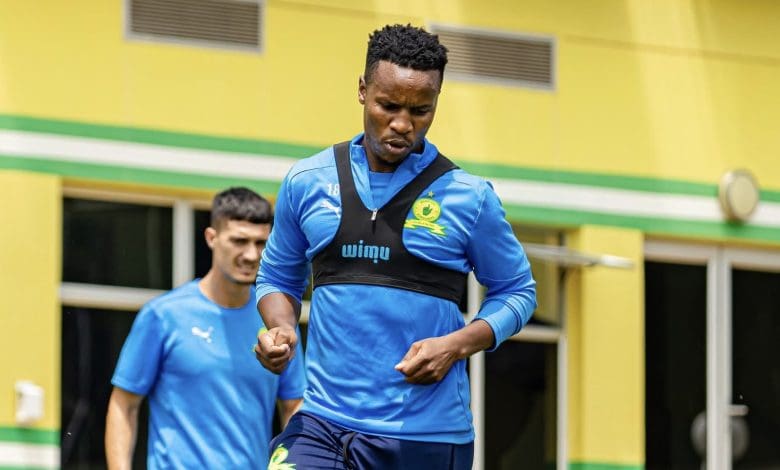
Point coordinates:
[(329, 205), (203, 334)]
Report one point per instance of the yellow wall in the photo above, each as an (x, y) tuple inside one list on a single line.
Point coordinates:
[(680, 89), (605, 322), (29, 281)]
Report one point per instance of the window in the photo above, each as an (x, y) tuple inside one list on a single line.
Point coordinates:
[(201, 221), (91, 341), (520, 402), (515, 393), (119, 251), (118, 244)]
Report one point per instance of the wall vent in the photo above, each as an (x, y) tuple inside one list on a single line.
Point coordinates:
[(233, 24), (498, 57)]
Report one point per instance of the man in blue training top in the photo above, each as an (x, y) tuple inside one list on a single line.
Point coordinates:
[(190, 351), (390, 229)]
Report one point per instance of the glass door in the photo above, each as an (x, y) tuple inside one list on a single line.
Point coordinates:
[(675, 362), (712, 344), (755, 359)]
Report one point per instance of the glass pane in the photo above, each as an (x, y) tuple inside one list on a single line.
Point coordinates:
[(756, 367), (117, 244), (91, 341), (202, 220), (675, 362), (546, 274), (520, 406)]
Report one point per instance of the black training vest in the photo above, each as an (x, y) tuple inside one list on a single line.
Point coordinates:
[(368, 247)]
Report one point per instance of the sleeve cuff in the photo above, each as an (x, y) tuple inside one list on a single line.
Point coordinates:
[(502, 320), (265, 289)]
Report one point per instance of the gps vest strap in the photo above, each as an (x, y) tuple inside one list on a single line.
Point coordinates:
[(368, 247)]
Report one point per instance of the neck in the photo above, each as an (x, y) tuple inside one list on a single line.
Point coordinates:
[(222, 291)]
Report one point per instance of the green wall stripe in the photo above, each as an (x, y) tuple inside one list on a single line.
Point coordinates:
[(281, 149), (157, 137), (603, 466), (530, 214), (134, 175), (633, 183), (770, 196), (649, 225), (29, 436)]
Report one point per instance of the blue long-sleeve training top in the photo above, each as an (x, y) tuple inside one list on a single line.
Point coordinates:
[(357, 332)]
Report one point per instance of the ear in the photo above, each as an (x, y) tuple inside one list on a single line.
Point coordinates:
[(362, 90), (210, 234)]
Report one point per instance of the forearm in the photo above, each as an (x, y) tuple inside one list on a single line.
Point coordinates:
[(279, 309), (472, 338), (287, 408), (120, 438)]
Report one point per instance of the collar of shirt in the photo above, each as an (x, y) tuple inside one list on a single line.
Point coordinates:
[(406, 171)]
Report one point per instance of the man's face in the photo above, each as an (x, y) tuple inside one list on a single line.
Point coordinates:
[(236, 246), (398, 108)]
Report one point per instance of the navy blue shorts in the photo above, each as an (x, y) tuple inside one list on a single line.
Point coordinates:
[(312, 443)]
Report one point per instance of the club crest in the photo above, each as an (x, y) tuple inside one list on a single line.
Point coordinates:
[(426, 212)]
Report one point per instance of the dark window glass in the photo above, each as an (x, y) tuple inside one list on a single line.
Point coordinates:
[(91, 342), (117, 244), (202, 220), (520, 404), (756, 368), (675, 362)]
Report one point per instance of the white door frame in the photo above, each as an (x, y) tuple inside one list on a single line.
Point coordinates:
[(719, 262)]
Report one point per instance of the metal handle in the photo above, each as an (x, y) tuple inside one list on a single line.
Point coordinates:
[(738, 410)]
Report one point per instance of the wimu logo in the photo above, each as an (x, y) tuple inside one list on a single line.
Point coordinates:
[(372, 252)]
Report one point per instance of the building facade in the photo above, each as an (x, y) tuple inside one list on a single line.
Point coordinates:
[(616, 148)]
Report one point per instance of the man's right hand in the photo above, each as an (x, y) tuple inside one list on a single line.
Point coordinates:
[(276, 347)]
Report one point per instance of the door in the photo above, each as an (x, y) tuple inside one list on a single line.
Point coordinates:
[(712, 323), (755, 358)]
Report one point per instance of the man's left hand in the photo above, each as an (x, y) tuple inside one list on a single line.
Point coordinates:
[(428, 360)]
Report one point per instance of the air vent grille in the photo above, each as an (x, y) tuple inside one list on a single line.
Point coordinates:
[(230, 23), (498, 57)]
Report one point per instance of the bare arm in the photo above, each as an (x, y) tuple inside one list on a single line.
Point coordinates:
[(121, 428), (429, 360), (276, 346), (287, 408)]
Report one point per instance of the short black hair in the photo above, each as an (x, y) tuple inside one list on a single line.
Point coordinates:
[(407, 46), (240, 203)]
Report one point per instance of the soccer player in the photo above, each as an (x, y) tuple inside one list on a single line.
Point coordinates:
[(391, 229), (190, 352)]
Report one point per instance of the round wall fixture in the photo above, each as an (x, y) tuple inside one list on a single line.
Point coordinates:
[(738, 194)]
